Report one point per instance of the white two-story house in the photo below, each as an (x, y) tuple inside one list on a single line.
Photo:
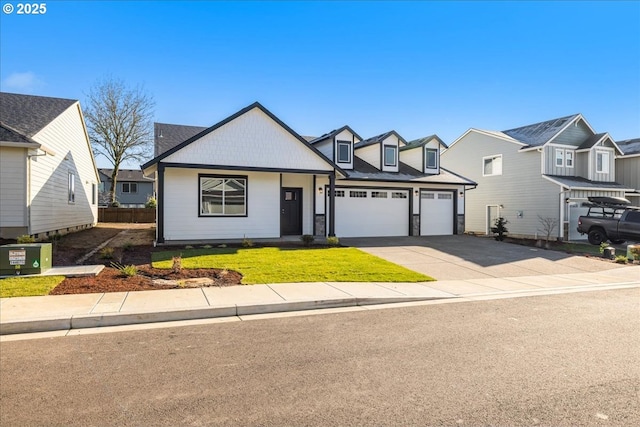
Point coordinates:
[(252, 176), (545, 170)]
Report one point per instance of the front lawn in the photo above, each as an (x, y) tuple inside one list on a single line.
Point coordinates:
[(286, 265), (28, 286)]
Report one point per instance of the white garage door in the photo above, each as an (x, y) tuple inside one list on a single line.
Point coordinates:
[(436, 213), (365, 212), (576, 210)]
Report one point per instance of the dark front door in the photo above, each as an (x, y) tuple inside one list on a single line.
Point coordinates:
[(291, 212)]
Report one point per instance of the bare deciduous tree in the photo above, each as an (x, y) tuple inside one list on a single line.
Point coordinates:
[(120, 123), (548, 224)]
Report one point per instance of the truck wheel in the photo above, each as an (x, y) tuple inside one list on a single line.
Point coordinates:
[(618, 242), (597, 236)]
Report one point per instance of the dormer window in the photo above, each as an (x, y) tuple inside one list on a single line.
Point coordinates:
[(431, 158), (390, 155), (344, 151)]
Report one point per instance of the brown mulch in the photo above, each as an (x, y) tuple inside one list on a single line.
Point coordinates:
[(131, 248)]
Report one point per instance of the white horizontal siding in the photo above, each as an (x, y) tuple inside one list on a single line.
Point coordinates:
[(251, 140), (50, 209), (181, 208), (13, 187), (413, 157), (520, 188), (370, 154)]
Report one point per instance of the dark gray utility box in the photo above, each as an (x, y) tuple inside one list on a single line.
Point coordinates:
[(25, 258)]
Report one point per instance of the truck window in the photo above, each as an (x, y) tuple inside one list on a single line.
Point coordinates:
[(633, 216)]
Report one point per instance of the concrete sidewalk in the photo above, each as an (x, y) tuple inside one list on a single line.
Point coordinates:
[(65, 312)]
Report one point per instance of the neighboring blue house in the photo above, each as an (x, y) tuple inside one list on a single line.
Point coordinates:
[(628, 168), (132, 188)]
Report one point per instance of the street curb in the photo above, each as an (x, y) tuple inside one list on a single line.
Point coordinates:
[(83, 321)]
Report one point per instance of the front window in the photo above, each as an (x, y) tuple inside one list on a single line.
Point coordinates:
[(129, 187), (390, 155), (431, 158), (568, 159), (223, 196), (602, 162), (72, 188), (559, 157), (492, 165), (344, 152)]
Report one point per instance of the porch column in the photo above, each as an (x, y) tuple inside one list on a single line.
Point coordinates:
[(332, 204), (160, 205)]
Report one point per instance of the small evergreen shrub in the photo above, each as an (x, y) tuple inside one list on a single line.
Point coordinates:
[(125, 270), (115, 204), (127, 246), (500, 229), (621, 259), (151, 203), (307, 239), (25, 238), (106, 253), (333, 241)]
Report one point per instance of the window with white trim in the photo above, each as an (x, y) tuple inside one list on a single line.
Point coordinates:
[(492, 165), (344, 151), (560, 157), (223, 195), (130, 187), (568, 158), (71, 188), (390, 155), (602, 162), (431, 158)]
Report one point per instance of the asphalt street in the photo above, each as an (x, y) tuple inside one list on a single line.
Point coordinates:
[(571, 359)]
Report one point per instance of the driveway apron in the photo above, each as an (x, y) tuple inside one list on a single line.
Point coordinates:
[(463, 257)]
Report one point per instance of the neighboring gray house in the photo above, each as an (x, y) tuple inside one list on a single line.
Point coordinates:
[(547, 169), (48, 178), (252, 176), (628, 168), (133, 189)]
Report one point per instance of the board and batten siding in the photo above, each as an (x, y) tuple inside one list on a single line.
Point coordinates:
[(628, 171), (574, 135), (50, 209), (520, 188), (182, 206), (602, 177), (13, 187), (549, 156), (251, 140)]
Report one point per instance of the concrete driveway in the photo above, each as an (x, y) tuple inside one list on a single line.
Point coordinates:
[(464, 257)]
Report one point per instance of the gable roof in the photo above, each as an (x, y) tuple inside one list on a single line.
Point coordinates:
[(420, 142), (257, 105), (331, 134), (363, 171), (9, 135), (126, 175), (630, 146), (379, 138), (538, 134), (28, 114), (167, 136)]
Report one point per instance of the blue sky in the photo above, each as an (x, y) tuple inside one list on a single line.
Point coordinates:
[(416, 67)]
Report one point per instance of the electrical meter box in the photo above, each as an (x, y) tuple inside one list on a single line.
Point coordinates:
[(26, 258)]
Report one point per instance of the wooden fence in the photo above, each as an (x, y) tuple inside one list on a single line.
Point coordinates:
[(126, 215)]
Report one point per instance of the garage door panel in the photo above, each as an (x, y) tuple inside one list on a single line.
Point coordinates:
[(371, 212), (436, 213)]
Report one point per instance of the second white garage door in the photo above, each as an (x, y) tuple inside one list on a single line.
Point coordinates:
[(436, 213), (365, 212)]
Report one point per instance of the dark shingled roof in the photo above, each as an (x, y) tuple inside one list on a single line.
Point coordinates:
[(629, 146), (378, 138), (422, 141), (331, 134), (364, 171), (591, 141), (579, 182), (9, 135), (538, 134), (127, 175), (168, 136), (28, 114)]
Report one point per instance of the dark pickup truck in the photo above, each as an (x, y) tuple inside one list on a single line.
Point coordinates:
[(610, 218)]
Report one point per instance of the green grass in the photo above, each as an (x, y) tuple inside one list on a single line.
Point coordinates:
[(284, 265), (28, 286)]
